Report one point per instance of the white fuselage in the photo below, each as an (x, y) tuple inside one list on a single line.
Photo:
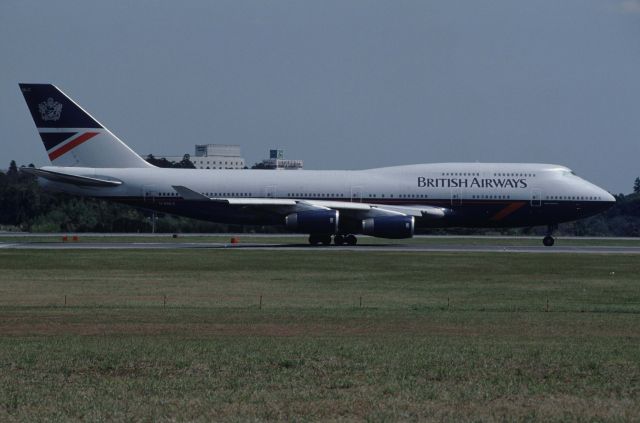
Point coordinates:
[(389, 202), (455, 182)]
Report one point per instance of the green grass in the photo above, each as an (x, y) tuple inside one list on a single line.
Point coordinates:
[(438, 336)]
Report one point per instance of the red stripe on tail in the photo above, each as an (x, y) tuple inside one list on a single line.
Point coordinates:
[(73, 144)]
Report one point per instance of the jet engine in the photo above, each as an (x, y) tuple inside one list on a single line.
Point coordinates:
[(389, 226), (313, 221)]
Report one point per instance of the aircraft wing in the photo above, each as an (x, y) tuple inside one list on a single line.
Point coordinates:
[(290, 205)]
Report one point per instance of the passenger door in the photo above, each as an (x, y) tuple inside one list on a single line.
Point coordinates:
[(356, 194), (536, 198), (456, 197), (270, 191), (149, 192)]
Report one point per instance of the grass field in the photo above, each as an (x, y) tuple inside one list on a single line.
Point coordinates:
[(202, 335)]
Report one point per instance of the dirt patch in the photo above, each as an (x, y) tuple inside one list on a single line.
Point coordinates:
[(213, 329), (58, 325)]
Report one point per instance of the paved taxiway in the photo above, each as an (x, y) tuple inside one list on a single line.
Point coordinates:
[(304, 247)]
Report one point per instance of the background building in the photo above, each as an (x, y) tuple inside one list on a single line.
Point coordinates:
[(276, 160), (214, 156)]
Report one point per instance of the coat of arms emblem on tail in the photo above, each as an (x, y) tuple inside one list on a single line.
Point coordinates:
[(50, 109)]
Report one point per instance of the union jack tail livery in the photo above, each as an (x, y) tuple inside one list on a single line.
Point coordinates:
[(71, 136)]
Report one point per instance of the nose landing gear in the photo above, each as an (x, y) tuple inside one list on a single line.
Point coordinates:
[(548, 240)]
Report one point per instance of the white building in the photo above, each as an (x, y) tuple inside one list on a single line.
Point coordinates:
[(276, 160), (214, 156)]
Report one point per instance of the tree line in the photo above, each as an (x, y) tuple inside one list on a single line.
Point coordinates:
[(25, 206)]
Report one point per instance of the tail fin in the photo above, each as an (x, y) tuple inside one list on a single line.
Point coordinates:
[(71, 136)]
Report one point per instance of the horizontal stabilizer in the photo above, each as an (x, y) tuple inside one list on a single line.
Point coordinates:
[(71, 179)]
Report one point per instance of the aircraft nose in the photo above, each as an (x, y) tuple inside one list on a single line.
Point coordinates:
[(608, 197), (604, 196), (606, 200)]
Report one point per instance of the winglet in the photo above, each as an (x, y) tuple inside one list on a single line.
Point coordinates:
[(188, 194)]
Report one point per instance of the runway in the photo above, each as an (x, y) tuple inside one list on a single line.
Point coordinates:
[(364, 247)]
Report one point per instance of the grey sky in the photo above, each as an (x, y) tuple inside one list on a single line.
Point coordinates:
[(340, 84)]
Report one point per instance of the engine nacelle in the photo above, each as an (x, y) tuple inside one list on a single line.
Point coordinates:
[(389, 226), (313, 221)]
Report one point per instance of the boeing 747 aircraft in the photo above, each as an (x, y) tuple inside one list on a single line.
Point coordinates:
[(391, 202)]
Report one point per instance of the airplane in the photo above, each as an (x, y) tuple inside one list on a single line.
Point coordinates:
[(329, 205)]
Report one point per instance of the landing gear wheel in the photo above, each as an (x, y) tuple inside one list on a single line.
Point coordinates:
[(315, 239), (339, 240), (351, 239), (548, 241)]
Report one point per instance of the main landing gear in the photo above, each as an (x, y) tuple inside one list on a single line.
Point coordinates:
[(339, 239), (349, 239), (548, 240), (315, 239)]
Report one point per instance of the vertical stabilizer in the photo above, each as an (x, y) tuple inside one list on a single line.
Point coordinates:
[(71, 136)]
